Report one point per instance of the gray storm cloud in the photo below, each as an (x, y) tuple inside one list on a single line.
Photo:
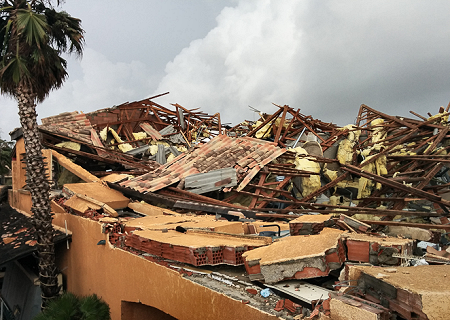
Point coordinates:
[(325, 57), (101, 84)]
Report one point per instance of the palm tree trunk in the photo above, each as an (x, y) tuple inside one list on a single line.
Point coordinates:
[(39, 187)]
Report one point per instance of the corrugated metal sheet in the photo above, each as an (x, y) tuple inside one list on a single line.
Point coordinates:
[(174, 150), (167, 130), (137, 150), (175, 137), (214, 180), (161, 154)]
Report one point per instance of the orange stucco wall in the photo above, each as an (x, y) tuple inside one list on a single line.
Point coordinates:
[(117, 275), (18, 167), (139, 311), (19, 197)]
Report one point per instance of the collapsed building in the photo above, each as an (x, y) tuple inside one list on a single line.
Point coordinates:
[(168, 213)]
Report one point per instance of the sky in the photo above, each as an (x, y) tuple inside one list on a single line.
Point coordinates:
[(324, 57)]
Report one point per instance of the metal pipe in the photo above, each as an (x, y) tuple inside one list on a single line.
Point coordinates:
[(296, 141), (273, 225)]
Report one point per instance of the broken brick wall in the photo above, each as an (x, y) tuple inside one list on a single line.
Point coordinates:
[(117, 275)]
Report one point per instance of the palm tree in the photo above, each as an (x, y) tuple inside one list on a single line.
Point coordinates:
[(71, 307), (33, 35)]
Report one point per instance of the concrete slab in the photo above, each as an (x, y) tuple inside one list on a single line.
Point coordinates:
[(149, 210), (347, 308), (195, 247), (409, 232), (74, 168), (98, 191), (299, 257), (310, 224), (376, 250), (419, 292), (187, 222)]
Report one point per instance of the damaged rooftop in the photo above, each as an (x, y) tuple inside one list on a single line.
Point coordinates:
[(290, 216)]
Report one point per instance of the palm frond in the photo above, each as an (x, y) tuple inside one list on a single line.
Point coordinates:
[(4, 36), (33, 26), (5, 155), (15, 69), (5, 8), (66, 32), (64, 307), (33, 35), (70, 307), (94, 308)]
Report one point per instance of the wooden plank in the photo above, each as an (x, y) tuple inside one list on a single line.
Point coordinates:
[(325, 187), (262, 179), (74, 168), (290, 125), (190, 205), (278, 187), (152, 132), (408, 224), (358, 225), (268, 120), (385, 116), (280, 127), (76, 202), (430, 175), (391, 183)]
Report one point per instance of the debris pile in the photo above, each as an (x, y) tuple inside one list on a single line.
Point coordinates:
[(294, 201)]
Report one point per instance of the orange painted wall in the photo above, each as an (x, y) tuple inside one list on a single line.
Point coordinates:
[(18, 167), (20, 198), (139, 311), (117, 275)]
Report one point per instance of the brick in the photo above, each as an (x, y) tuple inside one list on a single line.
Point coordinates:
[(279, 306), (251, 290)]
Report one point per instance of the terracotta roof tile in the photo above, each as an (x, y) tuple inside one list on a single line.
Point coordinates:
[(246, 155)]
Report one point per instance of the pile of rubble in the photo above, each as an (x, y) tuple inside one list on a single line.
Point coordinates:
[(358, 213)]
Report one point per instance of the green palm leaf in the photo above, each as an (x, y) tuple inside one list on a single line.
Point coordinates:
[(32, 38), (94, 308), (63, 308), (33, 35), (33, 26), (70, 307), (15, 69)]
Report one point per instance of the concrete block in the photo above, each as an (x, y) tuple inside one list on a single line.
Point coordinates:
[(376, 250), (298, 257), (419, 292)]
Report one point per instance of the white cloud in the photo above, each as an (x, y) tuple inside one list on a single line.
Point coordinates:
[(102, 84), (239, 63), (324, 57)]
